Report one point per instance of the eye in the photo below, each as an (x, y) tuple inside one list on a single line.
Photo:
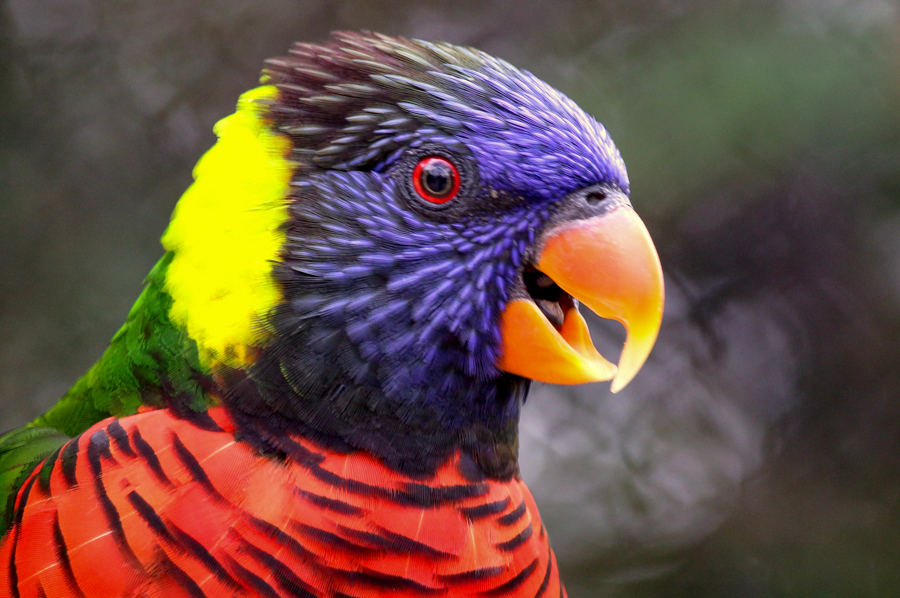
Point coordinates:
[(436, 179)]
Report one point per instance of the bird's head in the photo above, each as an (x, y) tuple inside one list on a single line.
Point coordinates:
[(404, 231)]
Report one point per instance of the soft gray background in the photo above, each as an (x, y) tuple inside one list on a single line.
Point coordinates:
[(755, 455)]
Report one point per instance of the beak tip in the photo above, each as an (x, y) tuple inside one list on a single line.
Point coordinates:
[(601, 370)]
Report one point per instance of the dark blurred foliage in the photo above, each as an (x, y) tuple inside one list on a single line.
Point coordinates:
[(758, 452)]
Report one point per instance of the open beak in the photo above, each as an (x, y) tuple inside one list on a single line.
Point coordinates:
[(608, 263)]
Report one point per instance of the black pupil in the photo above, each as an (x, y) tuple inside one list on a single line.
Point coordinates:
[(437, 178)]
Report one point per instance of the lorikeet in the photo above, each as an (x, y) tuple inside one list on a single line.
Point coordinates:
[(318, 391)]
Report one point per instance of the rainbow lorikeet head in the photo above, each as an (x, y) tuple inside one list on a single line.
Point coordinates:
[(390, 241)]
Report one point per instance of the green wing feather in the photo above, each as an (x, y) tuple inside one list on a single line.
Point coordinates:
[(149, 361), (21, 450)]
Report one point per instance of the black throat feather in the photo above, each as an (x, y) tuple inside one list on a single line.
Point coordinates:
[(344, 417)]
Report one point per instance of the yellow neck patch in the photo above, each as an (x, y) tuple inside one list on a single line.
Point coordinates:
[(226, 233)]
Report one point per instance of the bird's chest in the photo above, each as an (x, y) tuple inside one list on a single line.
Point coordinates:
[(173, 508)]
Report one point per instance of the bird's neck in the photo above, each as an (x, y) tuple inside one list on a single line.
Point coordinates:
[(478, 419)]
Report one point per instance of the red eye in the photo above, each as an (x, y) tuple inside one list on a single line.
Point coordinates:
[(436, 179)]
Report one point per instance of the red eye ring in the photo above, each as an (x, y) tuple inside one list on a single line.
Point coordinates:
[(436, 179)]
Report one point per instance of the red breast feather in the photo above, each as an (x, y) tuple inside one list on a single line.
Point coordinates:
[(156, 506)]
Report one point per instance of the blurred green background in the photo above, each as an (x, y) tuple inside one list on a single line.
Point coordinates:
[(758, 452)]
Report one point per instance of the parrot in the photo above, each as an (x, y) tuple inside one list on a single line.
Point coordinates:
[(317, 392)]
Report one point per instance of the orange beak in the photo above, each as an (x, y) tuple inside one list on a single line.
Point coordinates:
[(608, 263)]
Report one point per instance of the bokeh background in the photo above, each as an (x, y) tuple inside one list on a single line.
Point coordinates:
[(758, 452)]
